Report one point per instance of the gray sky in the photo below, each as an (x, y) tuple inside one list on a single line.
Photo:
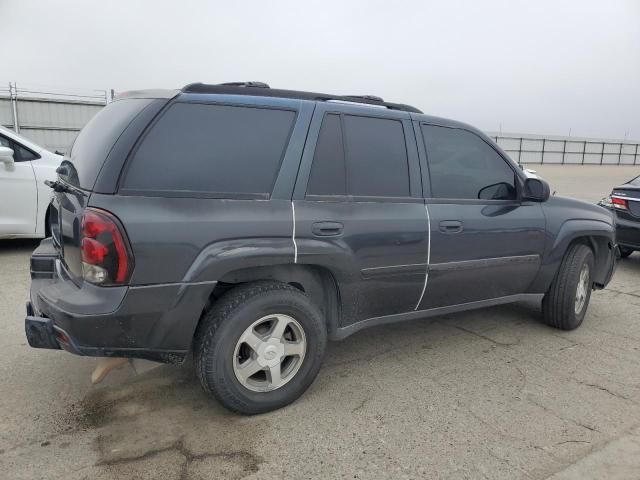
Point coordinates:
[(532, 66)]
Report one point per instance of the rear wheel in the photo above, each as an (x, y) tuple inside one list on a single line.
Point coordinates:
[(260, 347), (565, 304), (625, 251)]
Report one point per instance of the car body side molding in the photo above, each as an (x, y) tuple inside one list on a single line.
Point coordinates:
[(484, 262), (344, 332)]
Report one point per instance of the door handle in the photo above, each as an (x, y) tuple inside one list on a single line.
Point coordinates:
[(327, 229), (451, 226)]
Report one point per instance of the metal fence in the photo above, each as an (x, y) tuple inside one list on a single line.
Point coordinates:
[(49, 118), (559, 150), (54, 118)]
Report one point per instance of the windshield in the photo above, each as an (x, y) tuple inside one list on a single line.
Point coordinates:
[(95, 141)]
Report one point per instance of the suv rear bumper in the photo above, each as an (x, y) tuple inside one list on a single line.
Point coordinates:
[(156, 322)]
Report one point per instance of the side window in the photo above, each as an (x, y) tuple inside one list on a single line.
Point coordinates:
[(24, 154), (327, 175), (370, 160), (376, 157), (20, 154), (218, 150), (463, 166)]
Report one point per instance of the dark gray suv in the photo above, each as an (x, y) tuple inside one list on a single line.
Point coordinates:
[(248, 225)]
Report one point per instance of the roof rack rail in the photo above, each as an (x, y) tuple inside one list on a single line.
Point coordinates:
[(263, 90), (246, 84), (367, 97)]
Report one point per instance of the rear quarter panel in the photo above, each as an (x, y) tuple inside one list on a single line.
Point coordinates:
[(198, 239)]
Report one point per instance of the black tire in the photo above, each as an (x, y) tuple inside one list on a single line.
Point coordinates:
[(625, 252), (222, 327), (559, 303), (47, 227)]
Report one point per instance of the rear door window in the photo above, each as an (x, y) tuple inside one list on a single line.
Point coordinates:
[(359, 156), (96, 140), (463, 166), (376, 156), (220, 151), (328, 170)]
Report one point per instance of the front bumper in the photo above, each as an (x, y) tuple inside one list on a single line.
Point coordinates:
[(155, 322)]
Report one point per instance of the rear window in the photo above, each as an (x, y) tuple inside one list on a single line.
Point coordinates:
[(96, 140), (212, 150)]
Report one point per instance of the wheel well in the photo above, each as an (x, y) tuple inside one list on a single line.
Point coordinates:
[(316, 281), (596, 244), (587, 241)]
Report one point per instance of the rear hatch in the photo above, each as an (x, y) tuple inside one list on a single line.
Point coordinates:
[(77, 176)]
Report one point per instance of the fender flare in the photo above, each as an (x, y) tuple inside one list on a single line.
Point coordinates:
[(599, 235)]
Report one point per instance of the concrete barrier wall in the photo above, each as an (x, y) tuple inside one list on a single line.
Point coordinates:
[(52, 120)]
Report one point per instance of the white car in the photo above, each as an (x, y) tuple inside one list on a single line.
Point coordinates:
[(24, 198)]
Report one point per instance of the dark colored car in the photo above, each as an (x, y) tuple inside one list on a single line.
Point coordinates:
[(625, 202), (248, 225)]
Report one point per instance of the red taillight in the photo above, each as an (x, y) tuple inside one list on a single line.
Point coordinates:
[(620, 203), (106, 256), (93, 252), (62, 337)]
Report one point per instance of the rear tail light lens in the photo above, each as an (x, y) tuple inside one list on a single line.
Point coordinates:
[(620, 203), (106, 253)]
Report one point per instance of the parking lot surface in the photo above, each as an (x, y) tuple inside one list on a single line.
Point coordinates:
[(487, 394)]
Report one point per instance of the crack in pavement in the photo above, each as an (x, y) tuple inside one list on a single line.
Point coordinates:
[(605, 389), (246, 460), (594, 449), (620, 292), (507, 462), (361, 405), (571, 441), (560, 417), (496, 342)]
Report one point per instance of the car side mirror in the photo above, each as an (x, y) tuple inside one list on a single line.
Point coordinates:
[(497, 191), (536, 190), (6, 155)]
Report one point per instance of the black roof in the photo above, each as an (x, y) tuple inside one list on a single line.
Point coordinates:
[(263, 90)]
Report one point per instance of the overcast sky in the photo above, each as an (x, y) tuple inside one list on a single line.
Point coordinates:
[(530, 66)]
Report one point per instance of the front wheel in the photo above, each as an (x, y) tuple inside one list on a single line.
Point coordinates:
[(260, 347), (565, 304)]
